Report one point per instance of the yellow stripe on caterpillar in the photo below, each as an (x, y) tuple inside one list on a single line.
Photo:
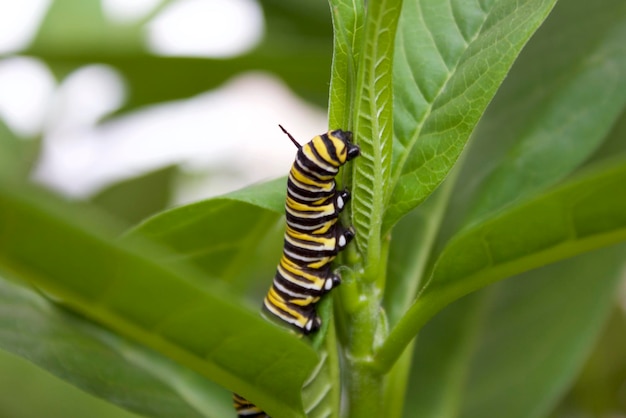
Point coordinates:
[(293, 204)]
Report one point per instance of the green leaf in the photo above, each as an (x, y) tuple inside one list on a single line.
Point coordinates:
[(500, 165), (373, 128), (102, 363), (347, 28), (137, 198), (220, 235), (516, 346), (577, 305), (441, 360), (70, 256), (413, 239), (321, 393), (51, 397), (557, 106), (530, 118), (586, 213), (599, 388), (450, 59)]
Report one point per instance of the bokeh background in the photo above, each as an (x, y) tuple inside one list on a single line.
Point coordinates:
[(136, 106)]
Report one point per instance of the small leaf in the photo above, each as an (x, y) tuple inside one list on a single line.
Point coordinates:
[(321, 393), (347, 28), (373, 127)]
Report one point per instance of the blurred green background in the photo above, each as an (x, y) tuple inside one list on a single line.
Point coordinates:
[(137, 106)]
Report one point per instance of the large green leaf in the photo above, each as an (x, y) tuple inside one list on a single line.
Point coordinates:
[(59, 249), (516, 346), (556, 107), (577, 303), (221, 235), (504, 149), (47, 393), (450, 59), (102, 363), (139, 197), (586, 213), (552, 112)]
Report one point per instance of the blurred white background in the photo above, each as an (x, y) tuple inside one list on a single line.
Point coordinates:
[(230, 132)]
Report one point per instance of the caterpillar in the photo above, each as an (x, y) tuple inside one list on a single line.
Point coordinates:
[(246, 408), (313, 237)]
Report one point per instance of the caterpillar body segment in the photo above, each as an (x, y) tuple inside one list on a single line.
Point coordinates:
[(247, 409)]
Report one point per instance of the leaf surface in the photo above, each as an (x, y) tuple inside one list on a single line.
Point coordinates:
[(347, 18), (586, 213), (221, 235), (139, 197), (555, 109), (450, 59), (101, 362), (58, 248), (517, 345), (373, 126)]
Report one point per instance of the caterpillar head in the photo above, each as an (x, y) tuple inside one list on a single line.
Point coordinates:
[(344, 149)]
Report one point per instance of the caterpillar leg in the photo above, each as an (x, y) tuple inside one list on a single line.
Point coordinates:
[(332, 281), (341, 199), (344, 238), (313, 324)]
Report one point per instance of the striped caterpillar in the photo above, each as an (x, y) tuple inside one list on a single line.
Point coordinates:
[(313, 237)]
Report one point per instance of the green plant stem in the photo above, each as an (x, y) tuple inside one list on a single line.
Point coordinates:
[(367, 328), (362, 72), (365, 391), (333, 364), (396, 384), (364, 384)]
